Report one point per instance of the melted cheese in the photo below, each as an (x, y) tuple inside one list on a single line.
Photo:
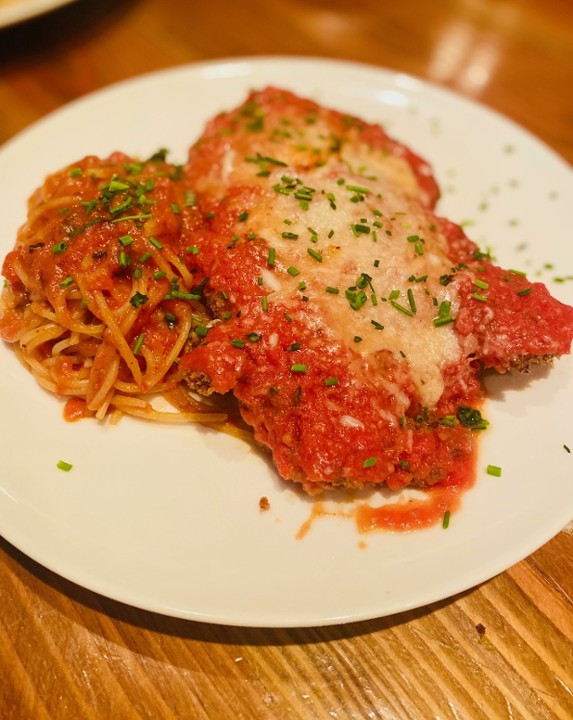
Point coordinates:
[(346, 238), (364, 223)]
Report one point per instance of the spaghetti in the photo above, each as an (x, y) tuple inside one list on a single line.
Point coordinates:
[(100, 298)]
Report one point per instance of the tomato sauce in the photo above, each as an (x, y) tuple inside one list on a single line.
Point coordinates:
[(418, 513), (440, 502), (76, 409)]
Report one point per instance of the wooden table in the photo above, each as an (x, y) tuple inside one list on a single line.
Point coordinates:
[(502, 650)]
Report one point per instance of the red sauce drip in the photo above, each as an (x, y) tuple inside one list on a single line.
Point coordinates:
[(407, 515), (420, 513)]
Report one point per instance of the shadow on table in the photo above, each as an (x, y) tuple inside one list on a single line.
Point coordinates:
[(68, 25), (50, 587)]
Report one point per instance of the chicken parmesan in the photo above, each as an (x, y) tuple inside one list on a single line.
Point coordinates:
[(353, 321), (296, 263)]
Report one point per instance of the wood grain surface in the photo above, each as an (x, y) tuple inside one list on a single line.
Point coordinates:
[(501, 650)]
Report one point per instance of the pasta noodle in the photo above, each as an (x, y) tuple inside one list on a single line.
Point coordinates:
[(101, 298)]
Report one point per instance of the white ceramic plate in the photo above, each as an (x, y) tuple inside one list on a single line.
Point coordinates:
[(15, 11), (167, 518)]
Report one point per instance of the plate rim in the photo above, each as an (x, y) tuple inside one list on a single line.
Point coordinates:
[(18, 12)]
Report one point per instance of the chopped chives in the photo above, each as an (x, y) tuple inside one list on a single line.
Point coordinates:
[(156, 244), (314, 254), (121, 207), (182, 295), (293, 271), (358, 189), (448, 420), (369, 462), (330, 381), (138, 344), (446, 520), (401, 308), (141, 216), (238, 343), (356, 299), (523, 292), (63, 465), (145, 257), (304, 194), (89, 205), (411, 300), (299, 368), (481, 284), (444, 316), (67, 281), (471, 418), (192, 249), (265, 303), (59, 247), (116, 185), (364, 280), (360, 229), (271, 256), (332, 290), (478, 296), (138, 300), (493, 470)]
